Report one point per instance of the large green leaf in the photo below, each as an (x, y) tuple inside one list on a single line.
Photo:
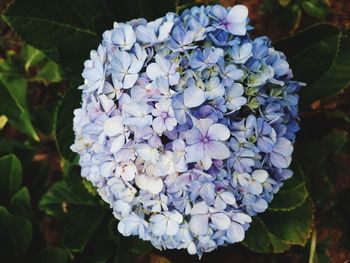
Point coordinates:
[(13, 90), (337, 77), (80, 213), (46, 70), (260, 240), (64, 123), (130, 248), (292, 194), (65, 30), (102, 245), (288, 221), (16, 234), (31, 56), (45, 117), (319, 56), (335, 140), (10, 177), (293, 226), (20, 203), (276, 231), (316, 8)]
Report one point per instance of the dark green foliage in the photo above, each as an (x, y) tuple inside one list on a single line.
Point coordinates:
[(49, 214)]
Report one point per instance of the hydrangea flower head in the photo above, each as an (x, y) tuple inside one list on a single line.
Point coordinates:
[(187, 126)]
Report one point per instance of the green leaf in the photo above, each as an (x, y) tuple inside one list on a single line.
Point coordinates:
[(291, 227), (308, 37), (287, 200), (258, 239), (130, 248), (261, 244), (102, 245), (45, 117), (31, 56), (81, 214), (20, 203), (152, 9), (315, 8), (337, 114), (319, 56), (65, 30), (64, 123), (13, 104), (53, 255), (290, 17), (16, 235), (292, 194), (274, 233), (25, 150), (10, 177), (49, 73), (46, 70), (314, 54), (337, 77), (81, 223), (335, 140)]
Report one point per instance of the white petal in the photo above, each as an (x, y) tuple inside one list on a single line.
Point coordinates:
[(218, 132), (217, 150), (151, 184), (228, 197), (164, 31), (221, 221), (237, 29), (191, 249), (260, 175), (117, 143), (153, 71), (199, 224), (107, 169), (194, 153), (172, 228), (235, 232), (237, 14), (160, 228), (193, 97), (199, 208), (113, 126)]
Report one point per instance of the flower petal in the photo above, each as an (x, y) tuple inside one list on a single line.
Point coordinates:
[(193, 97), (235, 232), (151, 184), (114, 126), (260, 175), (237, 14), (194, 153), (220, 220), (218, 132), (217, 150), (199, 224)]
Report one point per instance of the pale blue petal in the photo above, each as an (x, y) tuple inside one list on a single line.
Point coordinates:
[(220, 220), (193, 97), (194, 153), (217, 150), (199, 224)]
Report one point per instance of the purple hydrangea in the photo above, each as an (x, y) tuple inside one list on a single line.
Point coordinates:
[(187, 126)]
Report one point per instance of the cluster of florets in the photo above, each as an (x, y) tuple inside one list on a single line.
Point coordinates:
[(187, 126)]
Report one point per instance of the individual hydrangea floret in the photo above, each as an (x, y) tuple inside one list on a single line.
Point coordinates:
[(187, 126)]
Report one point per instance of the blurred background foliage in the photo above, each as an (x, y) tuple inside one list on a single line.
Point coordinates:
[(48, 213)]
